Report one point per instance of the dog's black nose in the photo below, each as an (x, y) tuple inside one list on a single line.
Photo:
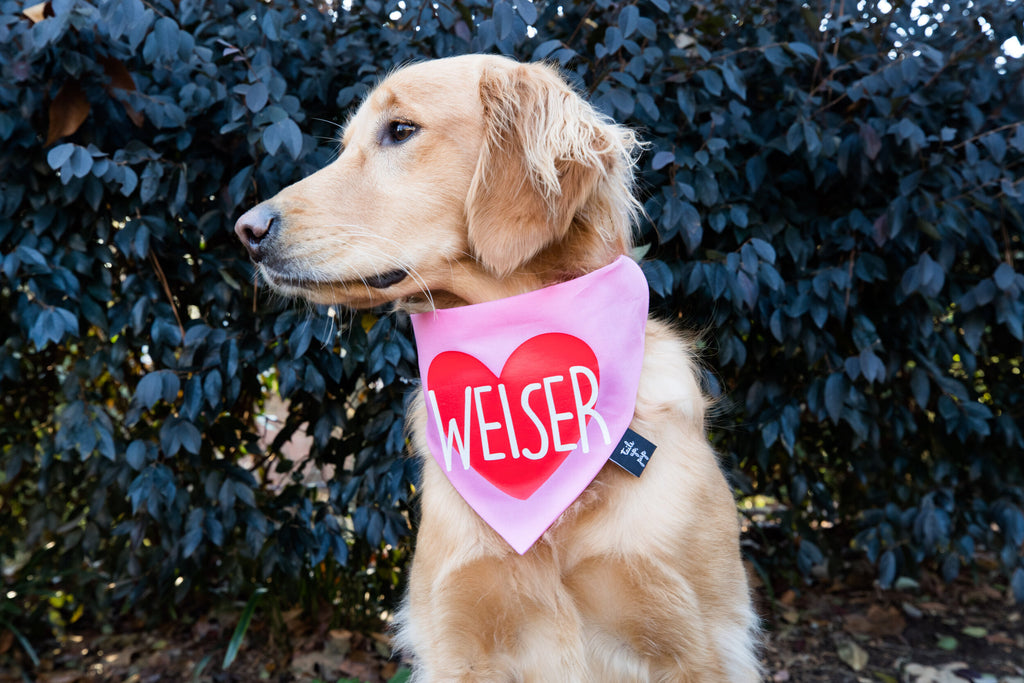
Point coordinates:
[(254, 227)]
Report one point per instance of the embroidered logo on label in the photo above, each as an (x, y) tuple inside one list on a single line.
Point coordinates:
[(633, 453), (517, 428)]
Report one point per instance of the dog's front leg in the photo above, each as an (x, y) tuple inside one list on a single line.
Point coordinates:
[(476, 610), (497, 619)]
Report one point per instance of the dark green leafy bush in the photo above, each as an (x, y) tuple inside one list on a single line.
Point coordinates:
[(835, 198)]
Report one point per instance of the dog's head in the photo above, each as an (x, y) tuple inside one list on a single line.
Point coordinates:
[(460, 180)]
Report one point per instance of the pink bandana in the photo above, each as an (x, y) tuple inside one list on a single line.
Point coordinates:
[(528, 396)]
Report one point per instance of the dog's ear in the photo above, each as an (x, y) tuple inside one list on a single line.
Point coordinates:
[(544, 151)]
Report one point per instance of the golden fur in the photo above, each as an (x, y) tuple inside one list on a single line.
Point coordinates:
[(507, 182)]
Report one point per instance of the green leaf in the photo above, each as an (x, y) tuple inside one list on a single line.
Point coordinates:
[(48, 327), (1004, 277), (803, 50), (136, 455), (887, 569), (29, 256), (872, 142), (241, 628), (193, 532), (167, 37), (687, 103), (996, 146), (527, 11), (212, 388), (285, 132), (190, 437), (130, 180), (504, 20), (1017, 584), (256, 96), (149, 389), (734, 79), (755, 170), (659, 276), (628, 20), (60, 154), (80, 162), (662, 159), (712, 81), (835, 396), (22, 640), (765, 251), (691, 226), (777, 57), (403, 675), (269, 25), (543, 50)]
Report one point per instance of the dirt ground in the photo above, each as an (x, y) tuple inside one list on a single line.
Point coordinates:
[(927, 633), (924, 632)]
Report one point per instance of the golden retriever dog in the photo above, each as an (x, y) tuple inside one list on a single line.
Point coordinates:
[(472, 179)]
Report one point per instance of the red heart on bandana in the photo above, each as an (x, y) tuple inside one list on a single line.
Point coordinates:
[(531, 411)]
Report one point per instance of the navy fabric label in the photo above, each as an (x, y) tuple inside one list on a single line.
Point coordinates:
[(632, 453)]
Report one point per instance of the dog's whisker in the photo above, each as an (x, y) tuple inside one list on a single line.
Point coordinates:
[(352, 230)]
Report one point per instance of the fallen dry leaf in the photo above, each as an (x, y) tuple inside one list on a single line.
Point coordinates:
[(878, 622), (911, 611), (59, 677), (293, 618), (121, 79), (980, 593), (853, 655), (6, 640), (364, 671), (932, 607), (339, 642), (310, 664), (122, 658), (68, 112), (917, 673), (382, 644), (1000, 639), (118, 73), (37, 13), (206, 628), (974, 631)]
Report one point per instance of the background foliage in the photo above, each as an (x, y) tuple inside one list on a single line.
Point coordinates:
[(833, 192)]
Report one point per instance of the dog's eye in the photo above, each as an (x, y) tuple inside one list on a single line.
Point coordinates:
[(399, 131)]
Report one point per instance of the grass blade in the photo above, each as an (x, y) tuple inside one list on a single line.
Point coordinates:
[(243, 625), (27, 646)]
